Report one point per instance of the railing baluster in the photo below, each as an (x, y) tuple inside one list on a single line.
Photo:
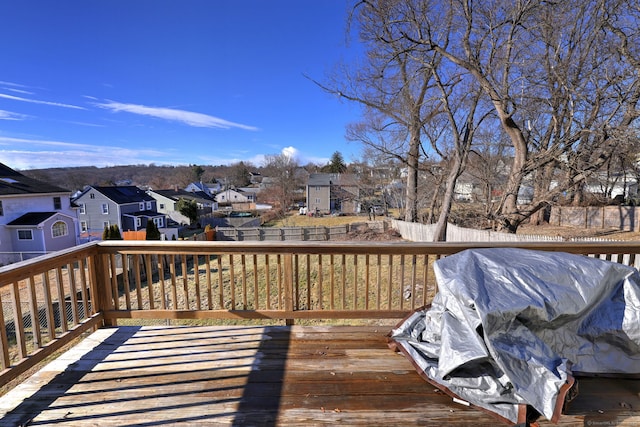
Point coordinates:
[(18, 321), (196, 278), (256, 290), (4, 341), (185, 283), (35, 313), (390, 282), (125, 281), (138, 279), (149, 276), (366, 282), (344, 281), (73, 292), (232, 281), (332, 281), (279, 281), (413, 281), (83, 287), (319, 283), (209, 284), (220, 283), (174, 285), (244, 282), (62, 304), (46, 292), (163, 287), (379, 281), (267, 275), (425, 277), (355, 281), (308, 270)]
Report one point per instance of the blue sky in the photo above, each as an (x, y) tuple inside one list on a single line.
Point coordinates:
[(170, 82)]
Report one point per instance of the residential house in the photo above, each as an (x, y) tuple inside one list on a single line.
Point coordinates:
[(255, 177), (328, 192), (128, 206), (230, 196), (251, 193), (35, 217), (210, 188), (167, 202)]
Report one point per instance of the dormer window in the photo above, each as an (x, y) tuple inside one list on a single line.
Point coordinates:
[(141, 205)]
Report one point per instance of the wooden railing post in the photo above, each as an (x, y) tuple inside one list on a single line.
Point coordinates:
[(288, 285)]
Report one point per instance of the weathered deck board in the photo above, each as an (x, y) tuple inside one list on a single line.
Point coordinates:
[(253, 376)]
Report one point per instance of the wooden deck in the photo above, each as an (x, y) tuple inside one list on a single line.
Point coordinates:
[(254, 375)]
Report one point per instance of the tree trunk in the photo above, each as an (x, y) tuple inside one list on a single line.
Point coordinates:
[(413, 159)]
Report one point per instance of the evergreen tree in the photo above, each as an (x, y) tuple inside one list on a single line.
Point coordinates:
[(336, 164), (115, 233), (188, 208), (152, 231), (106, 233)]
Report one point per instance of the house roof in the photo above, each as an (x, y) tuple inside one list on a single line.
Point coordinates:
[(324, 179), (182, 194), (124, 194), (32, 218), (13, 183)]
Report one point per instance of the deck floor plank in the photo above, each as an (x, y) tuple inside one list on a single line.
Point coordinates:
[(265, 376)]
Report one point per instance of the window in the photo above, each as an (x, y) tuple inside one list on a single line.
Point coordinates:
[(92, 196), (105, 208), (83, 226), (25, 235), (106, 224), (138, 222), (141, 204), (159, 222), (57, 204), (59, 229), (161, 205), (1, 209), (83, 208), (318, 201)]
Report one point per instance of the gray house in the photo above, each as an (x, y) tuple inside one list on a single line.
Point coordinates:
[(129, 207), (328, 192)]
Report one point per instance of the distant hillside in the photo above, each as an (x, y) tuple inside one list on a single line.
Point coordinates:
[(157, 177)]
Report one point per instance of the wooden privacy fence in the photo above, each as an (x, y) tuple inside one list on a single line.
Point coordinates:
[(48, 301)]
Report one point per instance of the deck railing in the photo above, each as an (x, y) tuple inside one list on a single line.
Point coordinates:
[(48, 301)]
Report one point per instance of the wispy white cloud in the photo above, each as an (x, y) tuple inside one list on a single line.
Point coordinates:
[(8, 115), (38, 101), (47, 153), (189, 118), (23, 92)]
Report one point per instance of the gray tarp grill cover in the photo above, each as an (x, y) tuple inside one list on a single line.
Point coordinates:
[(509, 327)]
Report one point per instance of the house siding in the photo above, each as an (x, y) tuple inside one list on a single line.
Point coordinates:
[(93, 215)]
